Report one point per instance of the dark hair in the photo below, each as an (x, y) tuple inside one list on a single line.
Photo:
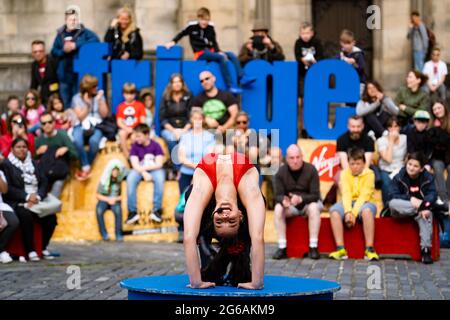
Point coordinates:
[(17, 140), (391, 120), (51, 101), (203, 13), (418, 156), (419, 75), (36, 95), (445, 123), (12, 97), (36, 42), (11, 117), (356, 154), (142, 128), (356, 117), (365, 95), (347, 36), (46, 113), (415, 13)]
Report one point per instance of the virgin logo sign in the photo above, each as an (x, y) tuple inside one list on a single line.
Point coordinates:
[(326, 161)]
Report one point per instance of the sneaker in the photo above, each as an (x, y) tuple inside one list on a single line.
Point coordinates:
[(180, 237), (386, 213), (426, 256), (371, 134), (5, 257), (371, 255), (22, 259), (314, 253), (47, 255), (246, 80), (102, 143), (156, 215), (339, 255), (81, 175), (280, 254), (235, 90), (133, 217), (32, 256)]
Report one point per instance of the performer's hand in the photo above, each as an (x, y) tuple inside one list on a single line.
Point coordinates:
[(251, 286), (201, 285)]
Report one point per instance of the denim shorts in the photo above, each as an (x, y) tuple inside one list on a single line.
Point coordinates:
[(340, 208)]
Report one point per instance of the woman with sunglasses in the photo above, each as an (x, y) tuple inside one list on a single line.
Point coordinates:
[(16, 128), (32, 110)]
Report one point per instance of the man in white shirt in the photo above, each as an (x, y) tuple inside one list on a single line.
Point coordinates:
[(436, 70)]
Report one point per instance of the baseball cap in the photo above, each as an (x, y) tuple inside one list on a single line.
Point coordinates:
[(421, 115)]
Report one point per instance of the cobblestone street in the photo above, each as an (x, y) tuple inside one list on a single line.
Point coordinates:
[(104, 265)]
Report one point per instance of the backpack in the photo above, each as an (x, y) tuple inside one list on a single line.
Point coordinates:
[(54, 168)]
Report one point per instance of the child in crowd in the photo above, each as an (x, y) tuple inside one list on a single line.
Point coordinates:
[(417, 136), (202, 37), (147, 159), (63, 119), (437, 71), (130, 113), (357, 185), (413, 195), (12, 106), (32, 110), (109, 197), (149, 103), (353, 55)]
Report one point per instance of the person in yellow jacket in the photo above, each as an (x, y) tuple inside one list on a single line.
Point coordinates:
[(357, 185)]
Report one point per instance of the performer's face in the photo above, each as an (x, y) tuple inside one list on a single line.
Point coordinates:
[(227, 218)]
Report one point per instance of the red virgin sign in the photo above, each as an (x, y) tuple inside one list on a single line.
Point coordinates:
[(326, 161)]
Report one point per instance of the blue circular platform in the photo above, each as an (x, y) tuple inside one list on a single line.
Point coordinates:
[(275, 288)]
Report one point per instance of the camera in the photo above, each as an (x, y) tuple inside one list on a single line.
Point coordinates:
[(258, 43)]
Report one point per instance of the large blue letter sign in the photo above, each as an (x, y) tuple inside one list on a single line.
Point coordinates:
[(91, 61)]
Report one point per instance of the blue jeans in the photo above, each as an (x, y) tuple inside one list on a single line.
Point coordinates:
[(133, 180), (217, 57), (102, 206), (386, 183), (67, 91), (86, 159), (184, 182), (419, 60)]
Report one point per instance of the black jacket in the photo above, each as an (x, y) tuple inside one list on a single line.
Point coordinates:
[(401, 185), (440, 140), (134, 46), (199, 38), (16, 186), (47, 85), (176, 114), (419, 142), (302, 48)]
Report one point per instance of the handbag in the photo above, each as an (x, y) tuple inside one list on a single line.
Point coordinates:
[(3, 222), (109, 128), (54, 168), (50, 205)]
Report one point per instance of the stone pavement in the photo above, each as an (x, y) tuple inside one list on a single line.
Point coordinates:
[(103, 265)]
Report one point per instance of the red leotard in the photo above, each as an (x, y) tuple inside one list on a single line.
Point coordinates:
[(241, 164)]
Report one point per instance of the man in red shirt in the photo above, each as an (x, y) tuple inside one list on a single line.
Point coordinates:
[(130, 113)]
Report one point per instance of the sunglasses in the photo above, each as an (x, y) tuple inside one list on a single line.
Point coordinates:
[(43, 123), (205, 79), (30, 98), (241, 122)]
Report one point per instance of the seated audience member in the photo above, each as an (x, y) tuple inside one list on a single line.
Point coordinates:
[(109, 197), (124, 36), (54, 149), (308, 50), (193, 146), (27, 188), (392, 149), (418, 139), (241, 138), (64, 119), (357, 185), (146, 157), (353, 55), (90, 107), (43, 71), (17, 128), (12, 106), (149, 103), (130, 114), (411, 98), (202, 38), (297, 193), (261, 46), (219, 107), (174, 116), (439, 136), (436, 71), (376, 108), (413, 195), (8, 217), (32, 109)]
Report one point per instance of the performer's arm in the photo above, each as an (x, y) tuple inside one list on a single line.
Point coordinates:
[(251, 197), (201, 193)]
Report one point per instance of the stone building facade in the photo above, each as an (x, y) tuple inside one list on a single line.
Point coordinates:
[(22, 21)]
